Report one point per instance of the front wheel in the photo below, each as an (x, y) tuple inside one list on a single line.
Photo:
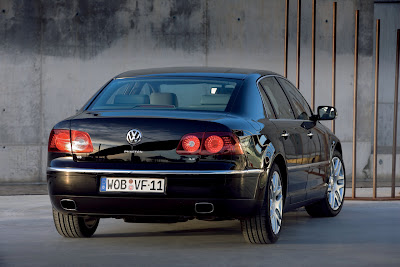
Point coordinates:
[(332, 203), (68, 225), (265, 226)]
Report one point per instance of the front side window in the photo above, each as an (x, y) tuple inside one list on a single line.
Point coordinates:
[(178, 93), (301, 108), (278, 98)]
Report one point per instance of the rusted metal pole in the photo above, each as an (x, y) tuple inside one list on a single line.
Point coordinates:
[(374, 175), (396, 97), (354, 166), (286, 36), (313, 57), (333, 60), (298, 45)]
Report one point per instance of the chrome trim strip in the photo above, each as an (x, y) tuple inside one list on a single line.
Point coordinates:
[(187, 172), (309, 165)]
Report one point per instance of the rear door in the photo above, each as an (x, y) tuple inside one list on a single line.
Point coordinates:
[(316, 158), (292, 135)]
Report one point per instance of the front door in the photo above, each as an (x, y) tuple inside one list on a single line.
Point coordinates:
[(318, 173)]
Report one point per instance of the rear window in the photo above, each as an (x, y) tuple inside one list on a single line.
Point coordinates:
[(167, 93)]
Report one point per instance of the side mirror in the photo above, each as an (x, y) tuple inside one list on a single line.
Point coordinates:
[(325, 113)]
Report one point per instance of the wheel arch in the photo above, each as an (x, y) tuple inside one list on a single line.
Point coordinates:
[(338, 147), (280, 161), (335, 146)]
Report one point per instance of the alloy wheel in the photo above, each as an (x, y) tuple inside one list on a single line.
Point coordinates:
[(336, 184), (276, 202)]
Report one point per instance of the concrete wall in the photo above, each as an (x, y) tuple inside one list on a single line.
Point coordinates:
[(55, 54), (388, 13)]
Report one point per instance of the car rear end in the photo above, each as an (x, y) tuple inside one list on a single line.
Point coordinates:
[(154, 146)]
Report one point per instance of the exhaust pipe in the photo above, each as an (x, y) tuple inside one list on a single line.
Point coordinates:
[(68, 204), (204, 207)]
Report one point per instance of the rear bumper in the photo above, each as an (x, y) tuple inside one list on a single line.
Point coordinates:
[(129, 206), (233, 193)]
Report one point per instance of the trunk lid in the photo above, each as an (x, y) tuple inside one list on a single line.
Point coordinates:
[(160, 131)]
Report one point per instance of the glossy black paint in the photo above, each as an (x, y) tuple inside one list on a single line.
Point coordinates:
[(235, 195)]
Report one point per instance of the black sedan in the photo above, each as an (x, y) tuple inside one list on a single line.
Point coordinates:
[(173, 144)]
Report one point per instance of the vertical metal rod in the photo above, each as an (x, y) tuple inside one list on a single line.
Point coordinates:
[(396, 97), (286, 37), (354, 166), (333, 60), (298, 45), (313, 57), (374, 176)]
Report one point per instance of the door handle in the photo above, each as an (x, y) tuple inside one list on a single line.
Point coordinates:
[(285, 134), (310, 134)]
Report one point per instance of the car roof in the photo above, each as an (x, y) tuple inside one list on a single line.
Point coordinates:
[(221, 72)]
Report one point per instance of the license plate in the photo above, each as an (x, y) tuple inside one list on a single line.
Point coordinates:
[(136, 185)]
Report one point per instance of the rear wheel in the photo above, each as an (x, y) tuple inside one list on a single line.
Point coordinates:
[(332, 204), (73, 225), (265, 226)]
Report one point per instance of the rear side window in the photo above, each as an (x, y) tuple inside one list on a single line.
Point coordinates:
[(300, 105), (185, 93), (278, 98), (267, 104)]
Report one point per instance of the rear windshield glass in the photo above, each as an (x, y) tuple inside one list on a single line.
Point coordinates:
[(167, 93)]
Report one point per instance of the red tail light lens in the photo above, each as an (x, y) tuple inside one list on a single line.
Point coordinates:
[(214, 144), (61, 141), (210, 143), (190, 143), (81, 142)]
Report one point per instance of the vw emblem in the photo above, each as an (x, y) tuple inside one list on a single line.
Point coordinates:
[(134, 136)]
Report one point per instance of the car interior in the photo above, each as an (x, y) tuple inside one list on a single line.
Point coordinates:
[(189, 96)]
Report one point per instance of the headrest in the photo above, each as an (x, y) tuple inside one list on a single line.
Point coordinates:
[(163, 99), (131, 99), (220, 99)]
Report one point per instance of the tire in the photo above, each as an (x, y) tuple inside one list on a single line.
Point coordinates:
[(332, 203), (263, 228), (74, 226)]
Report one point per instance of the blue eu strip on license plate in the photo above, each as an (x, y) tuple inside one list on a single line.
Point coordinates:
[(103, 184)]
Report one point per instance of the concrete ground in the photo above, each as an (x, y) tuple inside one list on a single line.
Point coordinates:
[(363, 234)]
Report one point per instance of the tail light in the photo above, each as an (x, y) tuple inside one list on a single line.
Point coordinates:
[(59, 141), (67, 141), (211, 143), (81, 142), (214, 144), (191, 143)]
